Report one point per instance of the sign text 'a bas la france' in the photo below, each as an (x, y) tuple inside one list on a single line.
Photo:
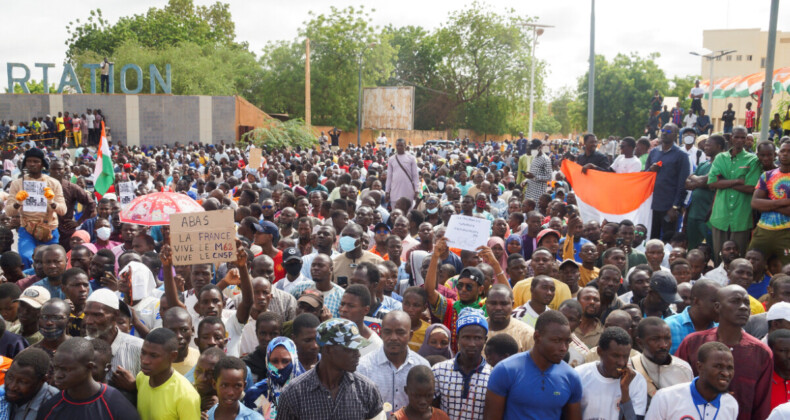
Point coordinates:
[(203, 237)]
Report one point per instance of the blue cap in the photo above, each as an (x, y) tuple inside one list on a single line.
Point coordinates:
[(470, 316), (265, 226)]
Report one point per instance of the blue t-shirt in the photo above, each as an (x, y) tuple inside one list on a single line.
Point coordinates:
[(577, 247), (757, 290), (532, 394)]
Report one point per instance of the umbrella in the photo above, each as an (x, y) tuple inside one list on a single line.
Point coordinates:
[(155, 209)]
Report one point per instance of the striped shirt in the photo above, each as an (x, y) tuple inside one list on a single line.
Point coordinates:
[(306, 398), (126, 351)]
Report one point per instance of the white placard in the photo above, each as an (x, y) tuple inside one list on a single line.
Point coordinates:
[(466, 232), (126, 193), (35, 202)]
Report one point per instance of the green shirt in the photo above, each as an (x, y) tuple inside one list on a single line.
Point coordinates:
[(732, 210), (643, 159), (635, 258), (701, 198)]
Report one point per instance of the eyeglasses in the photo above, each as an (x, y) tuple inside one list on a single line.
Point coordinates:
[(267, 207), (382, 231), (667, 131), (467, 286)]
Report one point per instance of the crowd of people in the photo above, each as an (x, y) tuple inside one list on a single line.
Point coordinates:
[(64, 129), (345, 299)]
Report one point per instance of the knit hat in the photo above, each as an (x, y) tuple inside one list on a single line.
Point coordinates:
[(470, 316), (36, 153)]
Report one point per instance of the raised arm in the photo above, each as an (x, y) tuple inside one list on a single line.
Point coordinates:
[(243, 311), (171, 292), (487, 255), (439, 248)]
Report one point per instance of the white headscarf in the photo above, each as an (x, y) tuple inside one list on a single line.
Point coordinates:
[(143, 283)]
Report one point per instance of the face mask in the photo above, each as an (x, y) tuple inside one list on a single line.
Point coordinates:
[(293, 269), (432, 211), (52, 334), (347, 243), (103, 233), (688, 139), (481, 204), (534, 152), (440, 185)]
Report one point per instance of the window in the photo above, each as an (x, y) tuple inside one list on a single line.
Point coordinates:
[(762, 63), (748, 58), (729, 58), (739, 58)]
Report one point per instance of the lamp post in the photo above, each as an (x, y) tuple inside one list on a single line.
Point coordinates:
[(359, 92), (714, 55), (537, 30), (591, 72)]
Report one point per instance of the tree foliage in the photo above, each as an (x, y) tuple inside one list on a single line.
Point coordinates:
[(623, 89), (277, 134), (35, 86), (179, 21)]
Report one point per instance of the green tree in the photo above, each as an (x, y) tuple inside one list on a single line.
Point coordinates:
[(680, 86), (623, 89), (277, 134), (35, 86), (561, 109), (179, 21), (339, 41)]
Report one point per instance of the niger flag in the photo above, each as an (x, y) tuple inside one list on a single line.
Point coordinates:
[(610, 196)]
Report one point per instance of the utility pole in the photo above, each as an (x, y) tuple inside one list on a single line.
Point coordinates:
[(768, 88), (591, 75), (307, 116), (537, 30)]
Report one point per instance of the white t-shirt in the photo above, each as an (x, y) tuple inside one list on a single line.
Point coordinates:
[(601, 396), (676, 402), (690, 120), (232, 327), (375, 344), (90, 119), (697, 91), (624, 165)]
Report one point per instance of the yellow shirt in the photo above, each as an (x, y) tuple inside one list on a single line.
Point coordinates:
[(586, 276), (419, 336), (755, 306), (522, 294), (189, 362), (176, 399)]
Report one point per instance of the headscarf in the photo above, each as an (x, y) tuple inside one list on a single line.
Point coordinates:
[(142, 280), (496, 240), (84, 235), (276, 379), (427, 350), (416, 258), (512, 238)]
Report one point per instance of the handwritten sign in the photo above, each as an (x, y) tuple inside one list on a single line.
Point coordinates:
[(466, 232), (126, 190), (35, 202), (255, 158), (203, 238)]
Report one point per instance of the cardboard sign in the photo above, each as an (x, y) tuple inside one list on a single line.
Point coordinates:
[(126, 191), (35, 202), (207, 237), (255, 159), (466, 232)]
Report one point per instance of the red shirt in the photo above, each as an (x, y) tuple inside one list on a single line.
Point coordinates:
[(780, 390), (279, 270), (749, 123), (753, 371)]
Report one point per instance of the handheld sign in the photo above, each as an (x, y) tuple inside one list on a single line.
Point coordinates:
[(126, 190), (35, 201), (255, 158), (466, 232), (203, 238)]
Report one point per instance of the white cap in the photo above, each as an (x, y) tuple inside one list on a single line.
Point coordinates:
[(110, 196), (104, 296), (780, 310)]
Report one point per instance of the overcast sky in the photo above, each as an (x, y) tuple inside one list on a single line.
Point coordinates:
[(672, 27)]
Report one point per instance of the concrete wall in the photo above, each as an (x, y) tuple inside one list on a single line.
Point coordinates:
[(144, 120)]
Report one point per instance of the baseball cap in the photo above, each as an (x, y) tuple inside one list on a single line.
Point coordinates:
[(779, 310), (666, 286), (291, 254), (106, 297), (313, 299), (265, 226), (569, 261), (381, 225), (473, 273), (340, 332), (35, 296), (545, 232)]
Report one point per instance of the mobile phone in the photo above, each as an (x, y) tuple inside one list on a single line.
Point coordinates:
[(109, 268), (619, 241), (342, 281)]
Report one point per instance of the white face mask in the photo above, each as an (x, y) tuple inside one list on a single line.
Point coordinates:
[(688, 139), (534, 152), (103, 233)]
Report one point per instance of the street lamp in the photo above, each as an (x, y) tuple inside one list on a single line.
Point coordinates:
[(359, 93), (714, 55), (537, 30)]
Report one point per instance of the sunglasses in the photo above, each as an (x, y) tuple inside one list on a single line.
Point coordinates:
[(382, 231), (267, 207), (467, 286), (667, 131)]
